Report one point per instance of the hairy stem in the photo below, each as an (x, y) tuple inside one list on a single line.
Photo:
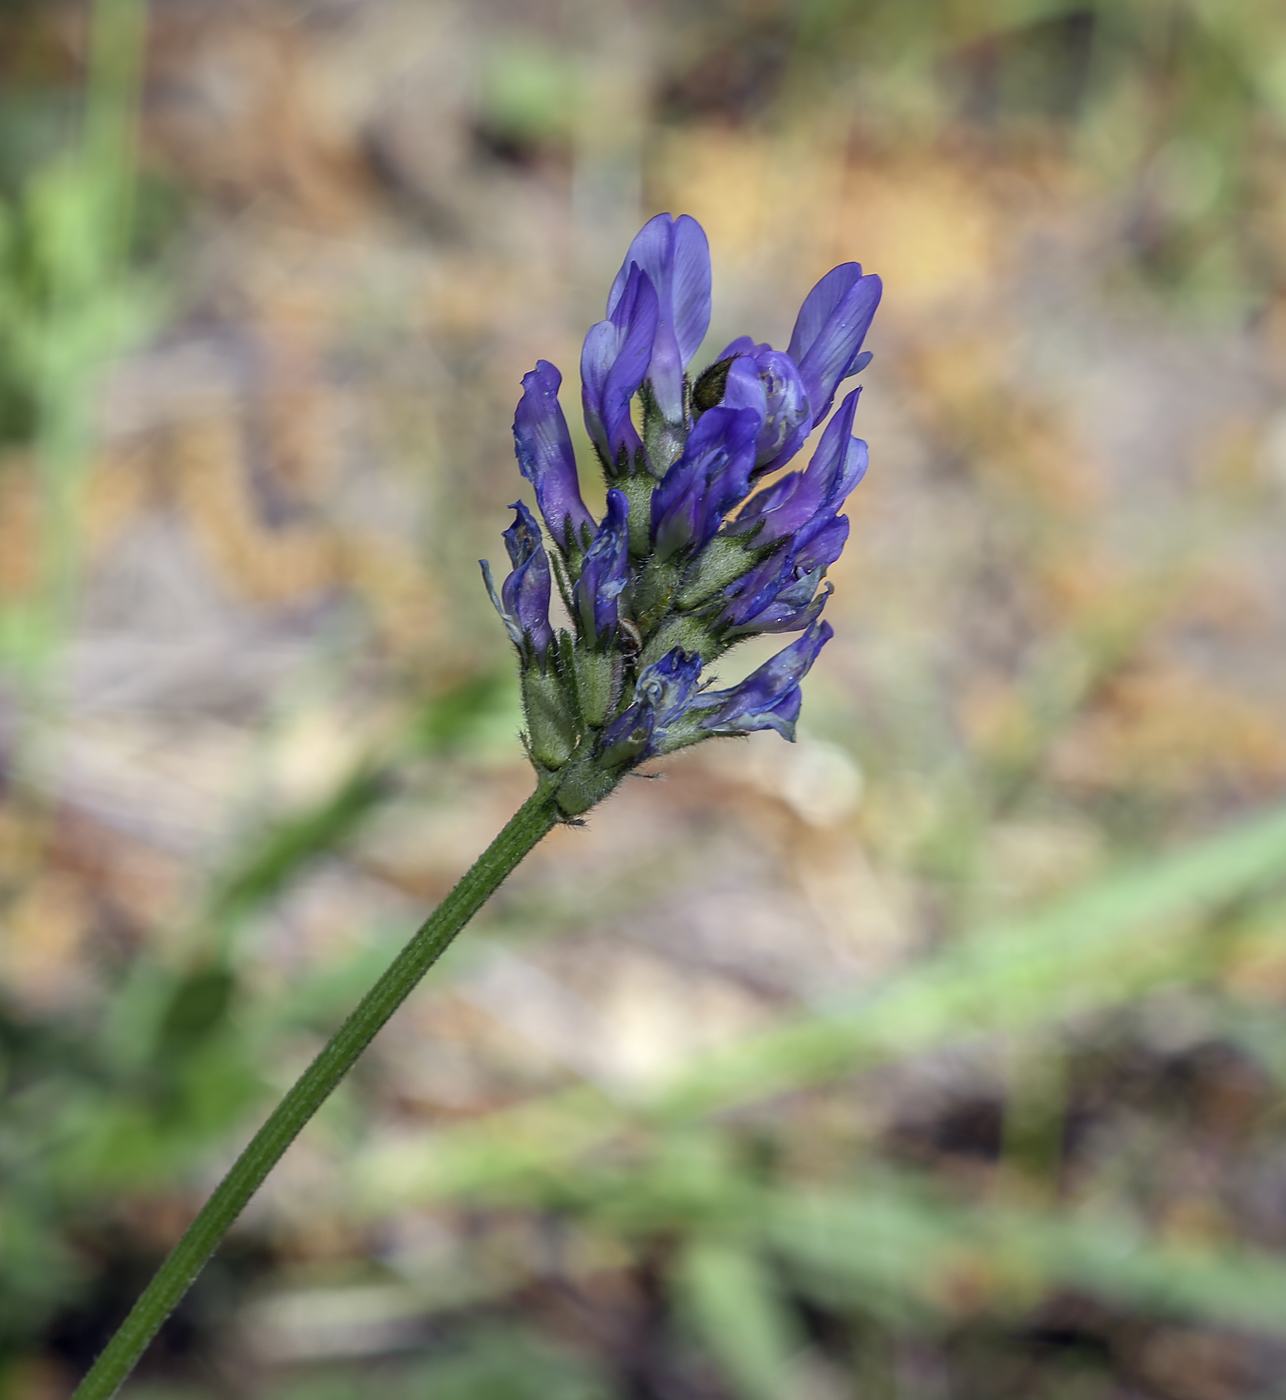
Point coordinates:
[(529, 824)]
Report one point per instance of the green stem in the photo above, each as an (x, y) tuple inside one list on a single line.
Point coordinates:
[(528, 825)]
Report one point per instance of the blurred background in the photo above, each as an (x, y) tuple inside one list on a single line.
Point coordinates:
[(939, 1056)]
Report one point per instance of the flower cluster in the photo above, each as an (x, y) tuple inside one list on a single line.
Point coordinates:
[(692, 553)]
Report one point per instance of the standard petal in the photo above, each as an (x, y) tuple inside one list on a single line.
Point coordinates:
[(820, 305), (832, 323), (756, 376), (789, 418), (676, 257), (545, 456), (743, 345), (691, 295), (744, 386), (652, 250), (614, 362)]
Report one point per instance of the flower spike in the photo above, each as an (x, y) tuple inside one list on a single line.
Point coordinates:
[(690, 556), (655, 593)]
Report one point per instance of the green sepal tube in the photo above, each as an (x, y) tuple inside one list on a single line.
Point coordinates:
[(550, 712), (664, 441), (723, 561), (573, 555), (598, 683), (583, 783), (654, 592), (688, 633), (638, 491)]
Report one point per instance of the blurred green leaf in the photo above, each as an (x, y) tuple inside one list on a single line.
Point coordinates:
[(733, 1304), (275, 854), (1128, 934), (498, 1363), (901, 1248), (288, 843), (200, 1004), (1098, 948), (531, 91)]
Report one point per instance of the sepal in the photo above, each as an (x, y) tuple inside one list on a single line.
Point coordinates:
[(686, 632), (724, 560), (597, 675), (582, 784), (551, 717)]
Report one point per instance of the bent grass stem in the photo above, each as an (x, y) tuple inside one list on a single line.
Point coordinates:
[(533, 820)]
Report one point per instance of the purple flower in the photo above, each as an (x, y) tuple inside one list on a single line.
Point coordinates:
[(780, 596), (628, 739), (832, 323), (523, 601), (767, 381), (613, 362), (768, 698), (676, 258), (799, 499), (545, 457), (605, 571), (667, 685), (664, 693), (799, 514), (707, 481)]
